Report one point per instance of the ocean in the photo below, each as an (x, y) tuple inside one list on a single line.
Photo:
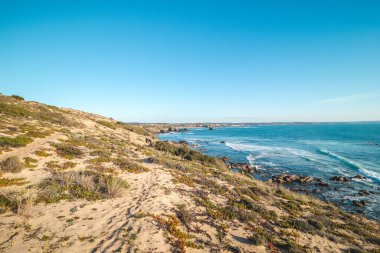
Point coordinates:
[(321, 150)]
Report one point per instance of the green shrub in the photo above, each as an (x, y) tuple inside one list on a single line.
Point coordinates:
[(30, 162), (14, 110), (129, 166), (315, 223), (135, 128), (18, 97), (5, 204), (107, 124), (183, 150), (260, 236), (4, 182), (37, 134), (42, 153), (19, 141), (12, 164), (80, 185), (101, 153)]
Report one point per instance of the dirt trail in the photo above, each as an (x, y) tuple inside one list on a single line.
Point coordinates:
[(31, 147)]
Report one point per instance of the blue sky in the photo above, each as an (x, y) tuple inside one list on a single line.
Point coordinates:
[(196, 60)]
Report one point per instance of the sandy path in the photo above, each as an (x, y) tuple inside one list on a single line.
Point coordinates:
[(31, 147), (110, 223)]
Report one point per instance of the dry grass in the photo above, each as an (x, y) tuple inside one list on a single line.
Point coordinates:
[(22, 202), (115, 187)]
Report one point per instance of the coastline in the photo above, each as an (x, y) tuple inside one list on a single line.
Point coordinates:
[(307, 183), (73, 181)]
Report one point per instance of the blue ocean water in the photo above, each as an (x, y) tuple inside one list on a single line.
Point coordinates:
[(320, 150)]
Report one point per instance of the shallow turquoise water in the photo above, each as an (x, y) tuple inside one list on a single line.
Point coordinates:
[(320, 150)]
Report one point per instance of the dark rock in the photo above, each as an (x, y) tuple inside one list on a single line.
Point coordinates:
[(224, 159), (323, 184), (148, 140), (290, 178), (306, 179), (340, 179), (360, 203), (363, 192), (359, 177), (152, 160), (234, 249)]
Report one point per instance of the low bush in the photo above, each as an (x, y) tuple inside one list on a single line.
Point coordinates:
[(67, 151), (80, 185), (12, 164), (135, 128), (37, 134), (107, 124), (42, 153), (101, 153), (14, 110), (5, 204), (129, 166), (4, 182), (63, 166), (183, 150), (18, 97), (24, 202), (114, 186), (260, 236), (16, 142), (30, 162)]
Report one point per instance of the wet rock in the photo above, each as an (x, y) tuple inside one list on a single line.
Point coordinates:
[(363, 193), (291, 178), (225, 159), (340, 179), (244, 167), (359, 203), (306, 179), (359, 177), (322, 184)]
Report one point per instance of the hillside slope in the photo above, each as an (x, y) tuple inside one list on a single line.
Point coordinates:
[(72, 181)]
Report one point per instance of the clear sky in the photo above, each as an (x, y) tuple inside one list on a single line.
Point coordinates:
[(196, 60)]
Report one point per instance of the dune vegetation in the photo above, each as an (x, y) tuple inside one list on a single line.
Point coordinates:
[(72, 181)]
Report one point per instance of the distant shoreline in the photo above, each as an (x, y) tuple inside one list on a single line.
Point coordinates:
[(158, 128)]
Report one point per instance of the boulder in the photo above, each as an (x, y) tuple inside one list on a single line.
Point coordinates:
[(359, 177), (340, 179), (363, 193), (359, 203), (323, 184), (291, 178)]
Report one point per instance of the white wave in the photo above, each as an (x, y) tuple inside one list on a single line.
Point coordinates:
[(353, 164), (251, 147)]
